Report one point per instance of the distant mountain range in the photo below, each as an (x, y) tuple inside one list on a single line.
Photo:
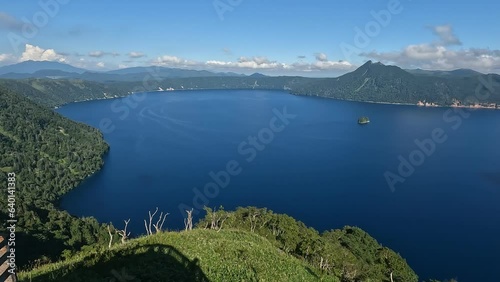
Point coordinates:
[(371, 82), (453, 73), (31, 67), (55, 70)]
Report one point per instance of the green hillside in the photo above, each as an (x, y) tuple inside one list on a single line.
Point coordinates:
[(249, 244), (50, 155), (198, 255)]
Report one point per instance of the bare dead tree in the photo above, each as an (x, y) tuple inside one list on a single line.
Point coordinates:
[(213, 223), (123, 233), (388, 263), (148, 227), (217, 219), (265, 222), (158, 226), (324, 265), (110, 237), (349, 272), (253, 221), (276, 230), (188, 222), (222, 219)]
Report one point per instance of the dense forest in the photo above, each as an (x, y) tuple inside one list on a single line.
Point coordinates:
[(49, 155), (56, 92)]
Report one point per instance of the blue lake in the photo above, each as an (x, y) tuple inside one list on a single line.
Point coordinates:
[(313, 162)]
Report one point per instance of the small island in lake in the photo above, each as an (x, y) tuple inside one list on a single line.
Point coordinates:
[(363, 120)]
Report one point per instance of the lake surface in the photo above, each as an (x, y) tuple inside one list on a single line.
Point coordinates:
[(318, 166)]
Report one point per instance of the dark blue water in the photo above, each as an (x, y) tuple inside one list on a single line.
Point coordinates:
[(321, 168)]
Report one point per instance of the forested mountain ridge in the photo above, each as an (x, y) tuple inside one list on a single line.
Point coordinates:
[(376, 82), (49, 155), (371, 82), (48, 69), (56, 92), (31, 67), (452, 73)]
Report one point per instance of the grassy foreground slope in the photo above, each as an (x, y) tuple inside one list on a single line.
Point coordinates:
[(197, 255), (248, 244)]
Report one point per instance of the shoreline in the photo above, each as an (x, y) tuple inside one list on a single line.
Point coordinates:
[(420, 104), (403, 104)]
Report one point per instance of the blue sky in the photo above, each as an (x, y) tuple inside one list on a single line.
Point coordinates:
[(311, 38)]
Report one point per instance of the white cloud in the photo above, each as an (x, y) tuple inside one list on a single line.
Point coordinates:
[(440, 55), (424, 52), (319, 66), (322, 57), (6, 58), (322, 64), (253, 63), (173, 61), (99, 54), (135, 55), (100, 65), (441, 58), (96, 54), (446, 35), (258, 63), (326, 65), (36, 53)]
